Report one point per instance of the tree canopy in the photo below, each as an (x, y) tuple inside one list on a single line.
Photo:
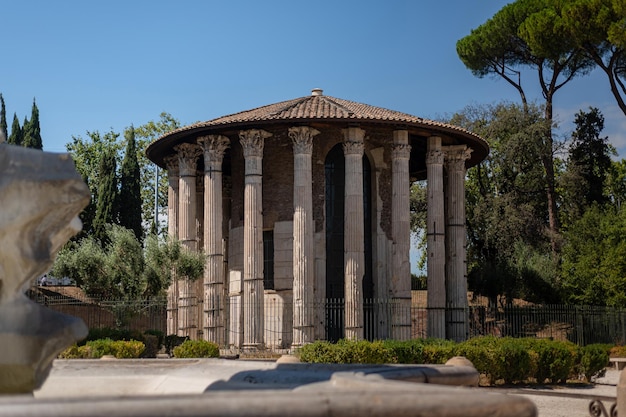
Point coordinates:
[(528, 34)]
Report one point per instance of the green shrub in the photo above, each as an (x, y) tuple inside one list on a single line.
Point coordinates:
[(553, 360), (347, 351), (593, 359), (482, 352), (319, 351), (128, 349), (362, 351), (74, 352), (438, 351), (406, 351), (95, 349), (514, 361), (197, 349)]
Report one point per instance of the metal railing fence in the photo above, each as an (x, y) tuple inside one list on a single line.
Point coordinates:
[(382, 319)]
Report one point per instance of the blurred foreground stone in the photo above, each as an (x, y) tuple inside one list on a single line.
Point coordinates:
[(41, 195)]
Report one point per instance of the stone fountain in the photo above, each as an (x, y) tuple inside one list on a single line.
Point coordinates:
[(41, 194)]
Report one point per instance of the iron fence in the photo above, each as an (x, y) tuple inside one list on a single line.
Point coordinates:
[(582, 325)]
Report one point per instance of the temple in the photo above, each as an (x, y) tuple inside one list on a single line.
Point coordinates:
[(303, 206)]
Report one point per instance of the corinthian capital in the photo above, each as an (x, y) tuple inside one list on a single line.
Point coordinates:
[(434, 156), (188, 155), (171, 165), (252, 141), (302, 137), (353, 148), (213, 147), (400, 151), (455, 157)]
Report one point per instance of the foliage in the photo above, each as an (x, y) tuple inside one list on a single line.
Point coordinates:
[(593, 270), (107, 196), (15, 138), (528, 34), (588, 167), (125, 270), (129, 207), (554, 360), (149, 172), (197, 349), (94, 349), (152, 339), (593, 359), (497, 358), (617, 351), (598, 27), (4, 133), (86, 154), (500, 360), (347, 351), (31, 131), (506, 204), (113, 271)]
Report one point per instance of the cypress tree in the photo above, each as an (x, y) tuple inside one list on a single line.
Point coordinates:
[(3, 120), (107, 195), (130, 188), (32, 130), (16, 132)]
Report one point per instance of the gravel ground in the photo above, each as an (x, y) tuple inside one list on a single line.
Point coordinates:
[(571, 400)]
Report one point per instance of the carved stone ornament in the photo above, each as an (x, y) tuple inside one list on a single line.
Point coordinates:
[(456, 157), (41, 195), (401, 151), (252, 142), (353, 148), (434, 156), (214, 147), (302, 137), (188, 155)]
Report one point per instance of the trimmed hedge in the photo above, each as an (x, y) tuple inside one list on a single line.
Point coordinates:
[(95, 349), (499, 359), (196, 349)]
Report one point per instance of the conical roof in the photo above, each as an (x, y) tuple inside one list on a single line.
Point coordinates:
[(316, 107)]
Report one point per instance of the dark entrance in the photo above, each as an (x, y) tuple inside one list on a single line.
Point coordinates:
[(335, 195)]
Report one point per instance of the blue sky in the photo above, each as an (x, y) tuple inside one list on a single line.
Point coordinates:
[(97, 66)]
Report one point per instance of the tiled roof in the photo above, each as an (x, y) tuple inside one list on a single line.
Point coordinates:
[(318, 107), (315, 108)]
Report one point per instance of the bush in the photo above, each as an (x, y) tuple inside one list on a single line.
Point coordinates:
[(197, 349), (553, 360), (95, 349), (320, 351), (406, 351), (365, 352), (347, 351), (438, 351), (593, 359)]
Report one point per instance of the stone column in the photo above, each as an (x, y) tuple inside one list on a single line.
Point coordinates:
[(457, 325), (213, 147), (354, 249), (401, 230), (252, 142), (187, 163), (171, 163), (303, 254), (435, 240)]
